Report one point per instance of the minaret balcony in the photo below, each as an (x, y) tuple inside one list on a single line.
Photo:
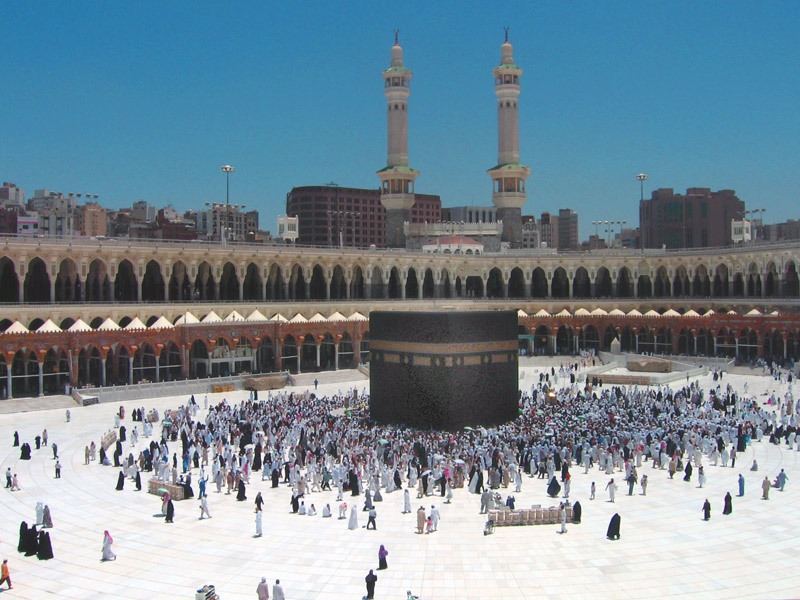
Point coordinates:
[(507, 199), (397, 201)]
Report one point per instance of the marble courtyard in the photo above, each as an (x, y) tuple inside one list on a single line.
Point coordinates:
[(665, 550)]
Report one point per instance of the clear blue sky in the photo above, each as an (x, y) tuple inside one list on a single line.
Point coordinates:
[(146, 100)]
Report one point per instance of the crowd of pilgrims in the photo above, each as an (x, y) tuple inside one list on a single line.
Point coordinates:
[(313, 444)]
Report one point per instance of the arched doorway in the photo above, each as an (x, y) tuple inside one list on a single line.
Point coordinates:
[(560, 284)]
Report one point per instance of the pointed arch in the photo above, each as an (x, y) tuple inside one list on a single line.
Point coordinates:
[(126, 286), (153, 283), (318, 286), (358, 289), (37, 282), (68, 283), (428, 287), (253, 286), (338, 284), (276, 286), (98, 284), (624, 283), (179, 288), (603, 288), (560, 284), (538, 283), (412, 284), (494, 284), (581, 285), (229, 283), (516, 284), (9, 281)]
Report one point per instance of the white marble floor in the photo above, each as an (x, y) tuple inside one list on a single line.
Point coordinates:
[(666, 550)]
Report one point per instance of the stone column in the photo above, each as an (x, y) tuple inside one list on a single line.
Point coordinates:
[(157, 379), (52, 295), (103, 370), (336, 356)]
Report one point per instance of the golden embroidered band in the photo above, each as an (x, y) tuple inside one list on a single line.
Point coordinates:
[(427, 360), (444, 349)]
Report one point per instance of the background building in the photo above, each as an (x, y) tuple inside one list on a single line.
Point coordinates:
[(470, 214), (287, 229), (221, 218), (699, 219), (91, 220), (567, 229), (332, 216), (548, 230), (11, 195)]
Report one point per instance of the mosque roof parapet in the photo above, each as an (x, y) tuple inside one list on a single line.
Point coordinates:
[(357, 316), (234, 316), (542, 313), (279, 318), (337, 316), (691, 313), (671, 313), (317, 318), (298, 318)]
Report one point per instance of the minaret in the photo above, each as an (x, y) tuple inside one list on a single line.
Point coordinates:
[(397, 178), (508, 176)]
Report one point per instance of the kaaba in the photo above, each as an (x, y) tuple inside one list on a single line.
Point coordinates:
[(443, 370)]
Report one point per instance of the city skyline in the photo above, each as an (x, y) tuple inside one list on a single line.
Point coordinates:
[(144, 106)]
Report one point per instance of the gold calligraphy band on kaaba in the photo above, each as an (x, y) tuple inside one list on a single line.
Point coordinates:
[(443, 349)]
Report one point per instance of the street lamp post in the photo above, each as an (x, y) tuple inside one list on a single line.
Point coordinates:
[(596, 235), (227, 169), (641, 178)]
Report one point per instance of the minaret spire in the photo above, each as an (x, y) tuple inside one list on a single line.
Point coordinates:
[(508, 176), (397, 178)]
